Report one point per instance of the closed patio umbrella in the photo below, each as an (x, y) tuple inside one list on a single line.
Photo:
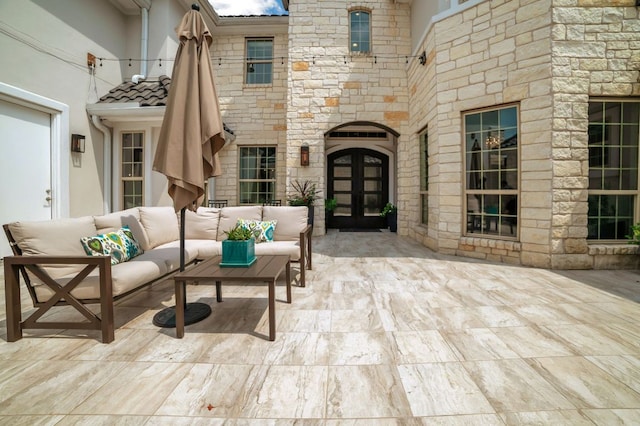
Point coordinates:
[(192, 133)]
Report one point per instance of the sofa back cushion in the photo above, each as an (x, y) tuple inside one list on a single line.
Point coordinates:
[(229, 217), (160, 225), (112, 222), (202, 225), (59, 237), (291, 221)]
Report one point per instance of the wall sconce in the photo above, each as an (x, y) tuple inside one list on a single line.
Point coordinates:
[(304, 155), (77, 143), (423, 58)]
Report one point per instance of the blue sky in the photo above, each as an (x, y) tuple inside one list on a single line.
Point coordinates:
[(248, 7)]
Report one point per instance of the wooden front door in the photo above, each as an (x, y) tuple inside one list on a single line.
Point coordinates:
[(359, 179)]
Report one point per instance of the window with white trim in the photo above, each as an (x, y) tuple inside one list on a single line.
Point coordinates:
[(259, 61), (491, 172), (132, 166), (257, 174), (613, 168)]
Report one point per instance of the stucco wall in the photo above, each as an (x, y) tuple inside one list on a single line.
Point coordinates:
[(47, 43)]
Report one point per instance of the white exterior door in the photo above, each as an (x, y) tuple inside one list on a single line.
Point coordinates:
[(25, 166)]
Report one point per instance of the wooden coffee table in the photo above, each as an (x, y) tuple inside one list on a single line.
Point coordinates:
[(265, 269)]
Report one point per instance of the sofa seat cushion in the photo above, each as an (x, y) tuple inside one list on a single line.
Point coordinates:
[(160, 224), (291, 221), (229, 218), (291, 248), (125, 277), (59, 237), (204, 248), (170, 254)]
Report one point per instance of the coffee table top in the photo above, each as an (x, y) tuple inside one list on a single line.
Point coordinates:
[(266, 267)]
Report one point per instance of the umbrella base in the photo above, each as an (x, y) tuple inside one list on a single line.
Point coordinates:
[(194, 312)]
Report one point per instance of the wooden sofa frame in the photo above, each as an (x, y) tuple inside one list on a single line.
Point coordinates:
[(18, 265)]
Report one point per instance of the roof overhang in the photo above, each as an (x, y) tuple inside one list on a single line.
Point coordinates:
[(127, 112)]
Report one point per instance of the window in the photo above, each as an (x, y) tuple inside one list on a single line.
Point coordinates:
[(491, 172), (132, 169), (360, 31), (613, 168), (257, 174), (424, 178), (259, 61)]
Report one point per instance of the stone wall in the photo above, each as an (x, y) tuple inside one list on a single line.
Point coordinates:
[(256, 113), (492, 54), (596, 53), (328, 87), (549, 57)]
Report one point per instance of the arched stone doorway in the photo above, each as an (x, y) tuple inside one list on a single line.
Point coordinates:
[(360, 175)]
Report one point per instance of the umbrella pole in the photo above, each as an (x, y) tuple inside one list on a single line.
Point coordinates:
[(193, 312)]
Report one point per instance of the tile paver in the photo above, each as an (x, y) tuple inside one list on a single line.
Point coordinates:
[(386, 332)]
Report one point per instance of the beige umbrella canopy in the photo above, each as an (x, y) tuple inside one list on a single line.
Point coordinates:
[(192, 134), (192, 131)]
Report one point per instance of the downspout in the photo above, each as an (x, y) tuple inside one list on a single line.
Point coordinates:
[(106, 153), (144, 41)]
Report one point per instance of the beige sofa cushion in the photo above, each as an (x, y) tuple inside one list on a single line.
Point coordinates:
[(291, 221), (291, 248), (229, 217), (60, 237), (160, 225), (125, 277), (113, 221), (202, 225)]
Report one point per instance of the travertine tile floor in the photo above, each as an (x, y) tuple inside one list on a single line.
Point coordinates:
[(386, 332)]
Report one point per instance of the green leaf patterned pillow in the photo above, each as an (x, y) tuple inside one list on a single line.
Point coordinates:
[(120, 245), (262, 230)]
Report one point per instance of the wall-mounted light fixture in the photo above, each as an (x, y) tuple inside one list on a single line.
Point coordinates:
[(77, 143), (304, 154), (423, 58)]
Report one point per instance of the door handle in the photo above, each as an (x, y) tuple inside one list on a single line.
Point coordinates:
[(48, 197)]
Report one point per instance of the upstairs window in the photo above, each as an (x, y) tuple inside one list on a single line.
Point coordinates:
[(259, 61), (359, 31)]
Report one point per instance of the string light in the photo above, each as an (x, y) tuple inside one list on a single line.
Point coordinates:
[(239, 59)]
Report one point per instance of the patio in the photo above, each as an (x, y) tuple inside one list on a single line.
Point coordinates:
[(386, 332)]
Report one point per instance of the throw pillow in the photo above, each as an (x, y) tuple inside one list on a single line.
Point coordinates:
[(120, 245), (262, 230)]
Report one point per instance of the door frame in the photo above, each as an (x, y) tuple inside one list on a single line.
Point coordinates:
[(60, 142), (374, 222)]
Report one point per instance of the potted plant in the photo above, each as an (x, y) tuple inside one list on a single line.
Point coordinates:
[(304, 194), (238, 250), (330, 204), (390, 212), (634, 238)]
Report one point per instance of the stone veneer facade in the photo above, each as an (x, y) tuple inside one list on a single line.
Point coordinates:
[(546, 56), (549, 57)]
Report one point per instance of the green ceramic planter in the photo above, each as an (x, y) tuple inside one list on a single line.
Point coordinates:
[(238, 254)]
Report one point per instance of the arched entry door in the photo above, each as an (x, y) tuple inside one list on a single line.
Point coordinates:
[(359, 179)]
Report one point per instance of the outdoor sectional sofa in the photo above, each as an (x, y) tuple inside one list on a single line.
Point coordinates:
[(58, 271)]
